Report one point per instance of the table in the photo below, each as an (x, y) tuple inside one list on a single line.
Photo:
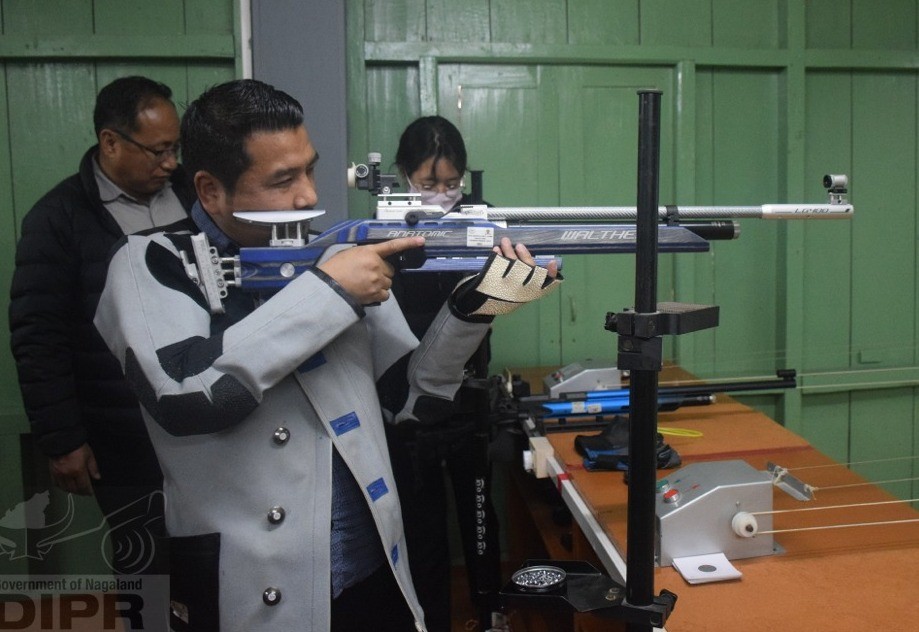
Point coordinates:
[(840, 579)]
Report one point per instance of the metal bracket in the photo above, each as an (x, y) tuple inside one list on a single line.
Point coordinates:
[(792, 485), (640, 345), (208, 273)]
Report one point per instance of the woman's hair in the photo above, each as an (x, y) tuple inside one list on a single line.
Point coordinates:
[(427, 137)]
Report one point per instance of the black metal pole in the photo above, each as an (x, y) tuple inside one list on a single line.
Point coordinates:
[(644, 382)]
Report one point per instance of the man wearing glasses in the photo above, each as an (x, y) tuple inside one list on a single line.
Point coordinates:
[(83, 416)]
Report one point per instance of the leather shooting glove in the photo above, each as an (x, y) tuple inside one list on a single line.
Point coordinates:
[(500, 287)]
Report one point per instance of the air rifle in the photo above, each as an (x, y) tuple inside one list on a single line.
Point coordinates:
[(589, 405), (461, 240)]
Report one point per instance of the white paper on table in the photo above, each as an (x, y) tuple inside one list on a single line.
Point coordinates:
[(700, 569)]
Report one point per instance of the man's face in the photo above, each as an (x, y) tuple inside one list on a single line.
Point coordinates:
[(280, 177), (127, 156)]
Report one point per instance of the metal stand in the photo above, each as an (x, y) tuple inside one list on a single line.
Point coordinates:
[(639, 585), (640, 352)]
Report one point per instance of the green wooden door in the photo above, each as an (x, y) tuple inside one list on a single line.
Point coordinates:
[(560, 136), (598, 153), (508, 116)]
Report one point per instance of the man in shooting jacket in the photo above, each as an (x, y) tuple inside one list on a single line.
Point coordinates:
[(266, 416)]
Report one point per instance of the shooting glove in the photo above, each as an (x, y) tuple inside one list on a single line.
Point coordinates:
[(502, 286)]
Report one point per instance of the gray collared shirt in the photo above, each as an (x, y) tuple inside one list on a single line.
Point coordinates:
[(133, 215)]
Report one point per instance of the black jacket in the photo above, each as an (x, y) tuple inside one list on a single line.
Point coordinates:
[(72, 386)]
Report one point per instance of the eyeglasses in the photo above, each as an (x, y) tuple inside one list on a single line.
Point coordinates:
[(160, 155), (432, 186)]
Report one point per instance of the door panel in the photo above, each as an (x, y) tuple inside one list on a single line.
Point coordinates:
[(553, 136), (742, 168), (598, 162), (53, 104), (884, 235), (507, 117), (828, 257)]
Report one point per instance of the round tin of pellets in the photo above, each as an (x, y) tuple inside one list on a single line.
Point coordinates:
[(539, 578)]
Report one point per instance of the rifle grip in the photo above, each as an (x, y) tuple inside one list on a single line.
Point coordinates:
[(410, 259)]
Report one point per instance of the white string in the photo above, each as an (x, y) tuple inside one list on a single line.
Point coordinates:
[(749, 359), (813, 488), (893, 458), (780, 355), (892, 480), (840, 526), (880, 502)]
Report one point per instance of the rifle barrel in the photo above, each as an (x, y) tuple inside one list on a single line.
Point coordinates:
[(594, 213)]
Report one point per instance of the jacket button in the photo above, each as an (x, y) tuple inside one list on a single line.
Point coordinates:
[(276, 515), (271, 596), (281, 435)]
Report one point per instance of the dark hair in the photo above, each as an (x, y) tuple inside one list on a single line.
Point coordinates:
[(118, 103), (216, 125), (430, 136)]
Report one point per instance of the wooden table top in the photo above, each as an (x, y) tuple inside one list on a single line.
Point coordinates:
[(840, 579)]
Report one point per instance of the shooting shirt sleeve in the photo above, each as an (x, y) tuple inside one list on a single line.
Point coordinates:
[(191, 376), (435, 370)]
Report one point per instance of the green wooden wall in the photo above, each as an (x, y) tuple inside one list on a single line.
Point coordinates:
[(54, 57), (761, 98)]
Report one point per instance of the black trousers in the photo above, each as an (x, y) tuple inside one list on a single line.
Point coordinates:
[(130, 497), (419, 466), (375, 604)]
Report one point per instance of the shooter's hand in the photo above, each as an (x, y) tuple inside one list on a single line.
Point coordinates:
[(508, 279), (363, 270), (509, 251)]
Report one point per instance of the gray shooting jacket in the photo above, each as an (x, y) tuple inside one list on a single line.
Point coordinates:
[(244, 408)]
